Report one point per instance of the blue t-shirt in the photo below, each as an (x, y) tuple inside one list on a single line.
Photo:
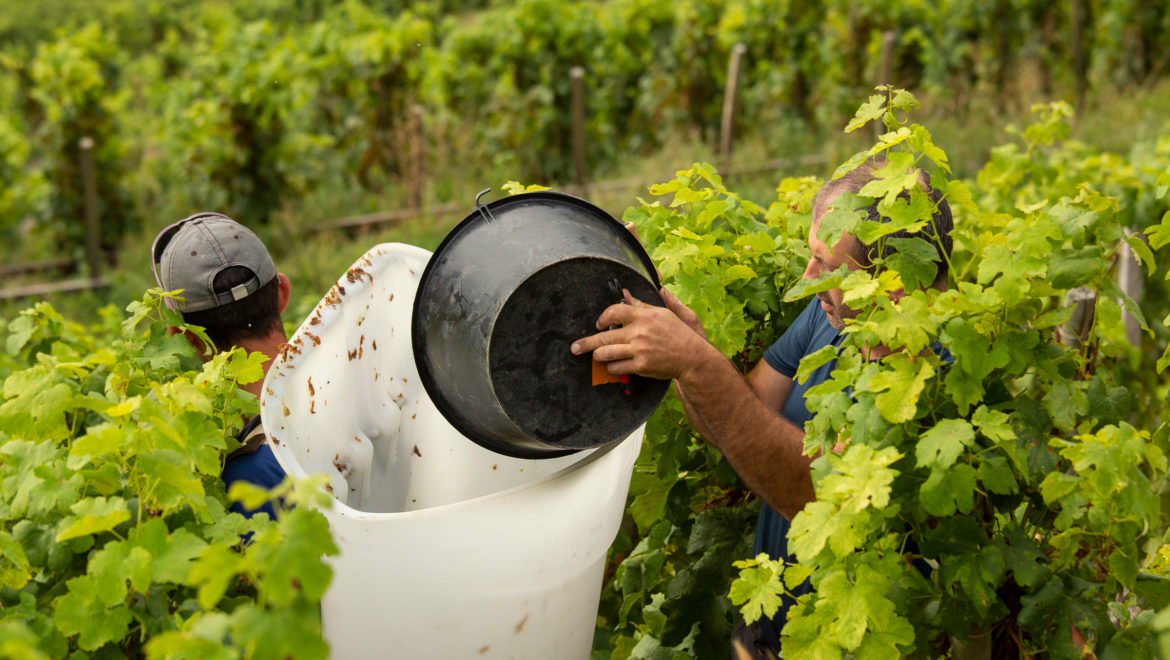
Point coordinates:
[(809, 333), (258, 467)]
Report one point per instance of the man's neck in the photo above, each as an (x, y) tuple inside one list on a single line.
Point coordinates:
[(269, 346)]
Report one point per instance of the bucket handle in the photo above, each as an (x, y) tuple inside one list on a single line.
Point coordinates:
[(484, 211)]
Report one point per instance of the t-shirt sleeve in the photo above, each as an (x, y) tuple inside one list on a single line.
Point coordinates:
[(785, 353)]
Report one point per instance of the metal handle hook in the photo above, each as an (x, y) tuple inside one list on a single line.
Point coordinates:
[(484, 211), (615, 287)]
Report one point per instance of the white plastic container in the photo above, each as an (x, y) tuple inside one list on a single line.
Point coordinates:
[(448, 550)]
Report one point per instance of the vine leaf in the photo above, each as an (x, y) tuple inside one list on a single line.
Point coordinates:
[(291, 563), (897, 175), (872, 109), (842, 218), (813, 361), (914, 260), (172, 553), (1158, 234), (900, 387), (949, 490), (758, 588), (944, 442), (93, 515), (82, 611)]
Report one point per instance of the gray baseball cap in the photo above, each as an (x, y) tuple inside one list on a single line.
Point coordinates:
[(190, 253)]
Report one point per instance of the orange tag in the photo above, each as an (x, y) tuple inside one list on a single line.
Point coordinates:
[(601, 375)]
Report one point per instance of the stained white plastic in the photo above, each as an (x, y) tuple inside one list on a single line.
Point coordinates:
[(447, 549)]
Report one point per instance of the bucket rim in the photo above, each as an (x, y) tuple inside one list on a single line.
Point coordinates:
[(484, 214)]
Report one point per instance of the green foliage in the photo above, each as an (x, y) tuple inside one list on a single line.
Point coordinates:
[(758, 588), (115, 538), (1001, 489), (511, 101), (76, 94), (23, 190), (237, 125), (371, 69), (724, 256), (243, 106)]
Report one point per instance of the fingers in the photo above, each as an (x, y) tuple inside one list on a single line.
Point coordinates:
[(631, 300), (623, 367), (593, 343), (673, 303), (614, 353), (619, 314), (634, 230), (685, 313)]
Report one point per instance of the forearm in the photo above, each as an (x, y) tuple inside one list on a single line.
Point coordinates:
[(766, 450), (693, 416)]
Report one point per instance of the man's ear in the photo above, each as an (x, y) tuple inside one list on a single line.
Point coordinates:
[(201, 349), (284, 291)]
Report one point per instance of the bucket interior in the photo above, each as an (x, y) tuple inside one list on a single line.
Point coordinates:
[(547, 391)]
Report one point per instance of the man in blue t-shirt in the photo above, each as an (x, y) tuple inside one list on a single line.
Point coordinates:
[(757, 421), (230, 287)]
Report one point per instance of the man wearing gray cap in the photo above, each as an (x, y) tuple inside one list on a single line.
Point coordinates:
[(231, 288)]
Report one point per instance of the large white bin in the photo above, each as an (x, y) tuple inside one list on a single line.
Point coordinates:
[(447, 550)]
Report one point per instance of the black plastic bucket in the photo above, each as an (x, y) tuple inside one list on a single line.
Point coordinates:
[(501, 300)]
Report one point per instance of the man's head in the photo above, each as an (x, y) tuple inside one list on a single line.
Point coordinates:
[(857, 255), (229, 282)]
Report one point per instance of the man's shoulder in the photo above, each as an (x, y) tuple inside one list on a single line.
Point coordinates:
[(816, 326), (813, 318), (809, 332), (259, 467)]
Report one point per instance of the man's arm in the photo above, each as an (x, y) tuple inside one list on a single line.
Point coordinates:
[(765, 449), (768, 384)]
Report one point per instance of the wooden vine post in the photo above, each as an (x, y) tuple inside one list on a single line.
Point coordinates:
[(418, 180), (1080, 69), (730, 104), (577, 113), (89, 190)]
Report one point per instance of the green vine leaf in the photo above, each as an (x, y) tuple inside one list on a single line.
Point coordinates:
[(758, 588), (899, 387), (92, 516), (944, 443), (83, 612)]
